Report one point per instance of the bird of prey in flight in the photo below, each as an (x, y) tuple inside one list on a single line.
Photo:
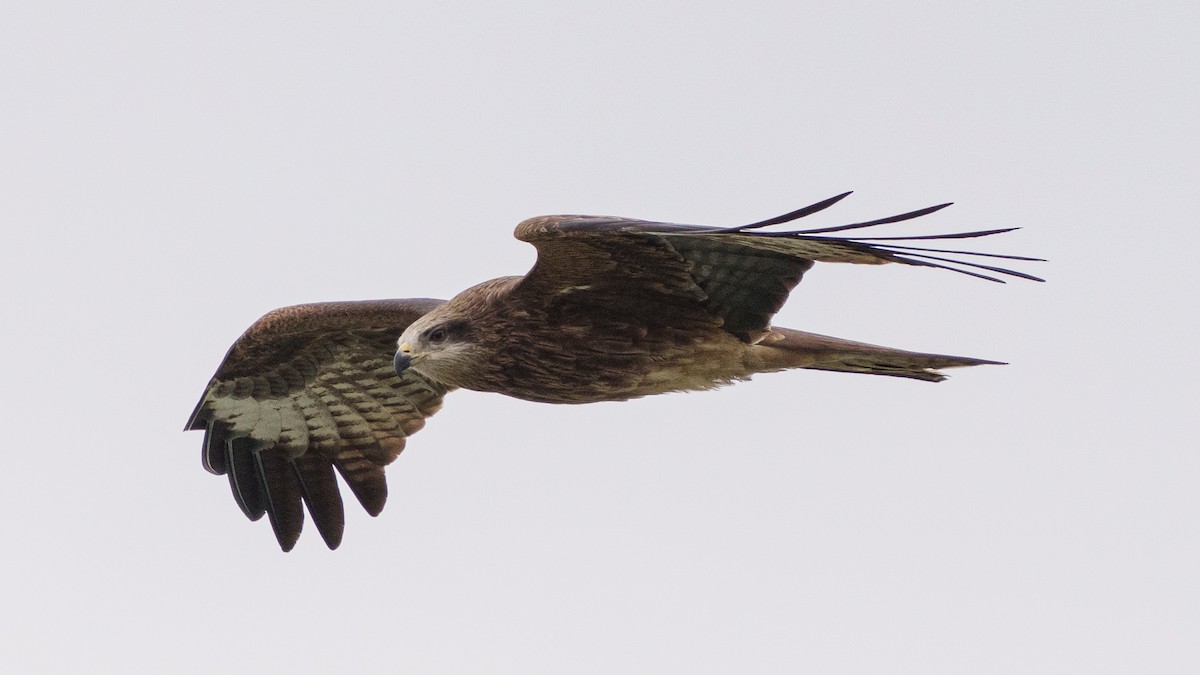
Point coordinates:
[(613, 309)]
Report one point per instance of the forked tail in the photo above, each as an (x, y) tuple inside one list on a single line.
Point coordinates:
[(786, 348)]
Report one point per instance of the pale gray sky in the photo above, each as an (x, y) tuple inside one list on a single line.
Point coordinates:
[(170, 171)]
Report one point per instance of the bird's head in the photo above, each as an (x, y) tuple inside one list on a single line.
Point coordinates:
[(441, 346), (456, 342)]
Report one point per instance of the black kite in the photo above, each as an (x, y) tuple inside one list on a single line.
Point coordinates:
[(613, 309)]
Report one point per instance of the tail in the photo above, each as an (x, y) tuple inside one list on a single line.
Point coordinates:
[(784, 348)]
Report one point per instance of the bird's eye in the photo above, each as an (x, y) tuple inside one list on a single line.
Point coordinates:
[(437, 335)]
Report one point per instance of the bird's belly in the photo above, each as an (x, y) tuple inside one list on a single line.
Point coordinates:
[(590, 376)]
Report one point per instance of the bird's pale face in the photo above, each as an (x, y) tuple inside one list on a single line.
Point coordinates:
[(442, 349)]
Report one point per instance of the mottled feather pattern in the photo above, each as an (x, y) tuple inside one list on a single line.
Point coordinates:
[(294, 400), (573, 352)]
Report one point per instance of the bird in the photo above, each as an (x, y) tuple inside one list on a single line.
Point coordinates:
[(613, 309)]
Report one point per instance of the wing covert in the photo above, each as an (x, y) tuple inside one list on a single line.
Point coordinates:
[(743, 275), (308, 391)]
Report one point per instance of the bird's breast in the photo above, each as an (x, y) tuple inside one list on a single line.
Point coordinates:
[(576, 365)]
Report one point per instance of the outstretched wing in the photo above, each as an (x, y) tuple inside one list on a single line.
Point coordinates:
[(741, 274), (304, 391)]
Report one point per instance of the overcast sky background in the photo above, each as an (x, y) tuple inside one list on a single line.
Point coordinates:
[(171, 171)]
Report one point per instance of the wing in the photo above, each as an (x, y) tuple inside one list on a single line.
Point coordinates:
[(741, 274), (304, 391)]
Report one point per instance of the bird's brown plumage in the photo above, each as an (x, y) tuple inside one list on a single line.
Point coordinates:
[(304, 391), (613, 309)]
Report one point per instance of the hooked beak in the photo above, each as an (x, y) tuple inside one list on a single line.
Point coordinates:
[(402, 360)]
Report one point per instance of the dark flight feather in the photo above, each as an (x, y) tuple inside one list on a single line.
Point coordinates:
[(244, 480), (304, 392), (281, 492)]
